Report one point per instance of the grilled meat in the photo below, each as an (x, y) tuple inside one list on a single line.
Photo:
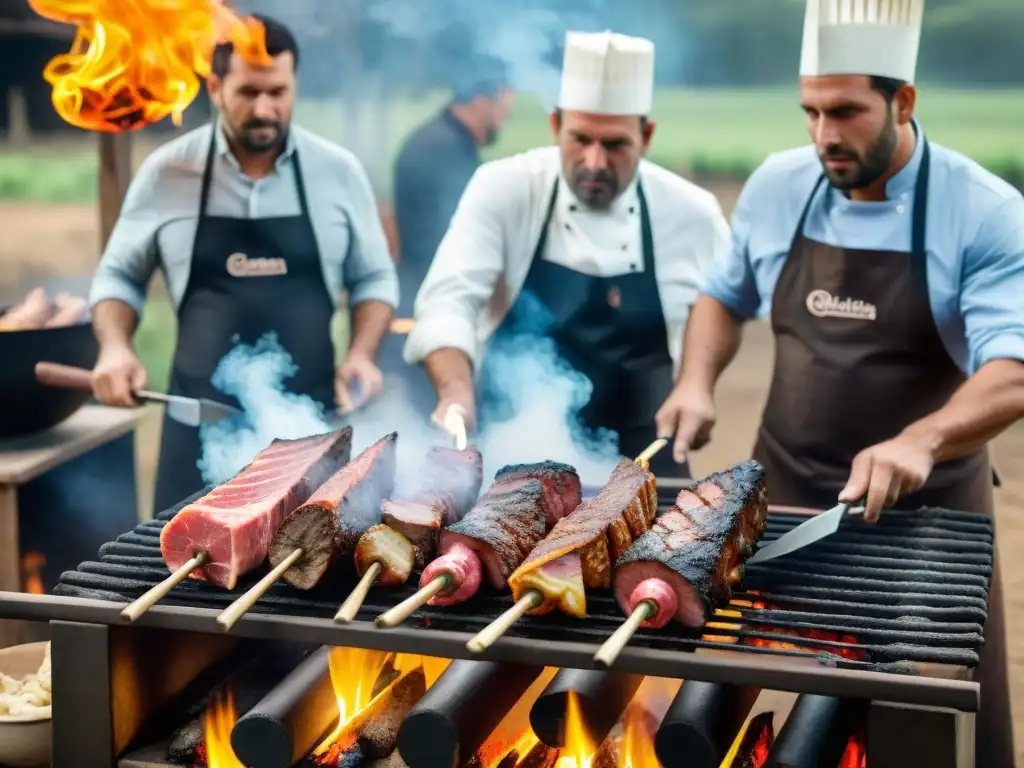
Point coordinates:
[(579, 552), (693, 553), (450, 485), (498, 533), (328, 526), (384, 545), (233, 524)]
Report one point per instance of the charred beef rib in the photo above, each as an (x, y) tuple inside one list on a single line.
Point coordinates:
[(694, 553), (501, 529), (448, 489), (327, 527), (233, 524), (578, 553)]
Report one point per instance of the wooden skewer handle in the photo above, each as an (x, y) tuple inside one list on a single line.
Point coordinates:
[(132, 611), (230, 615), (455, 425), (490, 634), (612, 647), (395, 616), (355, 600), (650, 451)]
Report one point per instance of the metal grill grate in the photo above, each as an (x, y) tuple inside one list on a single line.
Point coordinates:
[(911, 589)]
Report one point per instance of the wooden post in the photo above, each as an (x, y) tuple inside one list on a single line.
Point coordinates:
[(115, 174)]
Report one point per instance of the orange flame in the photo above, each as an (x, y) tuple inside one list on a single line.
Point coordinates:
[(32, 573), (354, 671), (579, 748), (753, 743), (218, 721), (856, 754), (135, 62)]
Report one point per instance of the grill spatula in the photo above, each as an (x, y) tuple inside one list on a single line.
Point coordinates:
[(815, 529), (189, 411)]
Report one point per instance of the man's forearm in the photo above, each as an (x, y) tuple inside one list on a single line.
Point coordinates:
[(983, 407), (710, 343), (371, 320), (114, 323), (450, 372)]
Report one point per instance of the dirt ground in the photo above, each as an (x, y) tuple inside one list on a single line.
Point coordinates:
[(40, 240)]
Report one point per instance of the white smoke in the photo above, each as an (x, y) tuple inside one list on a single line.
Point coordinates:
[(545, 395)]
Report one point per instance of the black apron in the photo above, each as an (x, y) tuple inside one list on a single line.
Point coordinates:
[(610, 329), (842, 384), (222, 306)]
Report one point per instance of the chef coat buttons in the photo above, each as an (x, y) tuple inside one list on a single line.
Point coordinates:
[(633, 267), (632, 209), (568, 228), (573, 208)]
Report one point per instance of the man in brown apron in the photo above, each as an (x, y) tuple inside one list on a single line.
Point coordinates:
[(889, 276)]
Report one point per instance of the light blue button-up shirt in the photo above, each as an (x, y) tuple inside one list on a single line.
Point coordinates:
[(157, 224), (974, 240)]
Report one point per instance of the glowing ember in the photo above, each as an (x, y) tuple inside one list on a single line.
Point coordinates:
[(856, 754), (753, 743), (218, 721), (135, 62)]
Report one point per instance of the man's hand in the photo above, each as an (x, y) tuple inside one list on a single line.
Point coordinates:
[(464, 400), (357, 381), (885, 472), (689, 414), (117, 374)]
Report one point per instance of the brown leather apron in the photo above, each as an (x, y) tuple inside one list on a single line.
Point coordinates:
[(858, 358)]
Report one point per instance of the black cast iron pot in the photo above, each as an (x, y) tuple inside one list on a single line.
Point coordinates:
[(26, 406)]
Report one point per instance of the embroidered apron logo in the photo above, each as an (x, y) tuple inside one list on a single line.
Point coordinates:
[(821, 303), (240, 265)]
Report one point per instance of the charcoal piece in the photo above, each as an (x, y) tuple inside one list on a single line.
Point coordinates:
[(602, 698), (702, 723)]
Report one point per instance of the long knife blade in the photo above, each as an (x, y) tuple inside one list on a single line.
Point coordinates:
[(815, 529), (190, 411)]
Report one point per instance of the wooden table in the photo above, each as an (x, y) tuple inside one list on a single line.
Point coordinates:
[(26, 458)]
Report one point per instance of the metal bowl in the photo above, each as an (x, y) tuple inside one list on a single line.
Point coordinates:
[(24, 741), (26, 406)]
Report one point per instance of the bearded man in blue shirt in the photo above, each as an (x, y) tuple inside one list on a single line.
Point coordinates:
[(892, 270)]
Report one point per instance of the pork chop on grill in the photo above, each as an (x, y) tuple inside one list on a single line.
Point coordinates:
[(233, 524), (327, 527), (693, 554), (502, 528), (579, 551)]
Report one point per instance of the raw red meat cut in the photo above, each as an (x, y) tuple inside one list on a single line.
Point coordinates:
[(234, 523)]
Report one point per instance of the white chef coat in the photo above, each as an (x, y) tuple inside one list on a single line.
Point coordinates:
[(483, 260)]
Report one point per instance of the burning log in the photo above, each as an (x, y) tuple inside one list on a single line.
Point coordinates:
[(289, 721), (459, 712), (752, 745), (702, 723), (602, 697), (249, 680), (380, 736), (817, 732)]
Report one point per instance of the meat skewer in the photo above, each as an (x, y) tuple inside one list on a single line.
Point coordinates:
[(218, 536), (326, 527), (387, 553), (691, 557), (578, 552), (495, 536)]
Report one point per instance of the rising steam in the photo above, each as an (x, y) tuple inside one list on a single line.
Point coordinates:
[(256, 375), (545, 394)]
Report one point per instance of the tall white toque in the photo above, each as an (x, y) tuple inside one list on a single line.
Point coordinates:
[(607, 74), (862, 37)]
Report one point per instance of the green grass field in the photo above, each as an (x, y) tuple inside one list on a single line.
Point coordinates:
[(710, 131)]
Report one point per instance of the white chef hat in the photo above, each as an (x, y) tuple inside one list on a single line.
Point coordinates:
[(607, 74), (862, 37)]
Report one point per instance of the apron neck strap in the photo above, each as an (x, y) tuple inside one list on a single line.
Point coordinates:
[(211, 152)]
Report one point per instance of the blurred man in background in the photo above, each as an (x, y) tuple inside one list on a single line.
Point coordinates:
[(609, 248), (435, 164), (257, 226), (894, 270)]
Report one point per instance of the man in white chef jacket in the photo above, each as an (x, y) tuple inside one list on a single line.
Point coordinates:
[(894, 270), (608, 247)]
